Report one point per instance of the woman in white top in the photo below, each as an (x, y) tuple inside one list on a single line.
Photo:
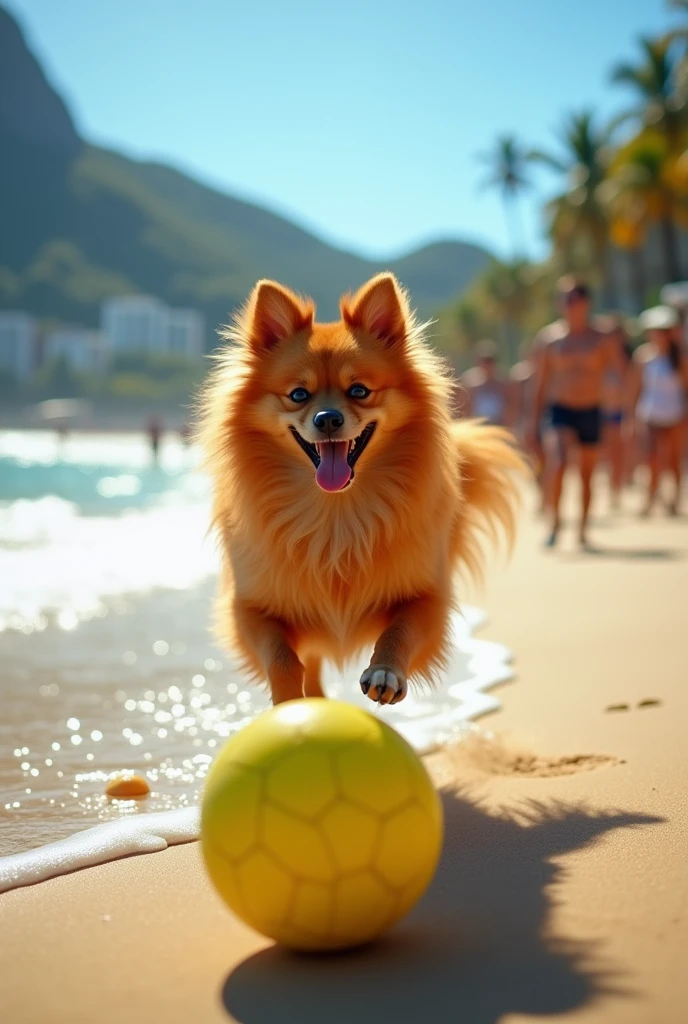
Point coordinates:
[(659, 398)]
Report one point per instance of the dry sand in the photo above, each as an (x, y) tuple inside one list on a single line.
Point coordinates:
[(563, 887)]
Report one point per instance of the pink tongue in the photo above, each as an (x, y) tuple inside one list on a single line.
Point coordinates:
[(334, 472)]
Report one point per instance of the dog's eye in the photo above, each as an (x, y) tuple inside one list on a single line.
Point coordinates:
[(358, 391), (299, 395)]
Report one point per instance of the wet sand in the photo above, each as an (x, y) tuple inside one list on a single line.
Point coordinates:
[(562, 889)]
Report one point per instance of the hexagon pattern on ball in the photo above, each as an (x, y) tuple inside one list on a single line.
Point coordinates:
[(320, 825)]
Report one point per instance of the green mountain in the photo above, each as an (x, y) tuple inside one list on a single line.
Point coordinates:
[(80, 223)]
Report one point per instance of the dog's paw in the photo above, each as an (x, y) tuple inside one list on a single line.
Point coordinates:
[(383, 684)]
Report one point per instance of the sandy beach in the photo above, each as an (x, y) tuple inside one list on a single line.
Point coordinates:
[(563, 887)]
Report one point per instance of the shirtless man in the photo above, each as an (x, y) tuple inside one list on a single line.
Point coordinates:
[(570, 372), (488, 395)]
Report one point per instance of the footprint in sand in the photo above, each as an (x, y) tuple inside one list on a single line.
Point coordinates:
[(494, 755), (649, 702)]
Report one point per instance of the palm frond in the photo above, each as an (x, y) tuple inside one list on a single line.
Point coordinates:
[(620, 120), (539, 156), (676, 35), (626, 74), (507, 165)]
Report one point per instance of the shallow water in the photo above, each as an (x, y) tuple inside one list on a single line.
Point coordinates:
[(106, 659)]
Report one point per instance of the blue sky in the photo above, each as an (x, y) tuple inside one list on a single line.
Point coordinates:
[(359, 120)]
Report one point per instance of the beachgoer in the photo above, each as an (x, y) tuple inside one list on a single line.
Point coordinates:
[(658, 399), (488, 395), (614, 410), (521, 382), (62, 431), (534, 440), (154, 430), (571, 367)]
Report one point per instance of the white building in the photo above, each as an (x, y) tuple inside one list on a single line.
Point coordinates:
[(135, 323), (18, 343), (86, 351), (141, 323), (185, 333)]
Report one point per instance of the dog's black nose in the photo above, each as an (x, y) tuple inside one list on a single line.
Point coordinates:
[(327, 421)]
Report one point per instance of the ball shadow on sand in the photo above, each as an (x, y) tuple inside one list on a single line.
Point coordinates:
[(475, 949)]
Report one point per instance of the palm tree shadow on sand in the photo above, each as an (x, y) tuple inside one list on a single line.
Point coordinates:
[(475, 949)]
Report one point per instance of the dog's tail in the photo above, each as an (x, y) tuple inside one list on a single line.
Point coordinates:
[(490, 466)]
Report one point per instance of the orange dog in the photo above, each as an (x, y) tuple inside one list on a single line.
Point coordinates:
[(345, 497)]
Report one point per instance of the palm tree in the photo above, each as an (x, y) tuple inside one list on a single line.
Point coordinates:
[(507, 172), (680, 35), (577, 219), (661, 107), (627, 195), (647, 185), (505, 289), (469, 323), (654, 82)]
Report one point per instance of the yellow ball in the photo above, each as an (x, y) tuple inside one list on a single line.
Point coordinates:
[(320, 826)]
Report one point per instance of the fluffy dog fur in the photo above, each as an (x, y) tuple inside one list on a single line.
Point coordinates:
[(308, 574)]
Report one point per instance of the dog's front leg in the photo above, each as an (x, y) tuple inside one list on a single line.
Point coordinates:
[(413, 640), (268, 651)]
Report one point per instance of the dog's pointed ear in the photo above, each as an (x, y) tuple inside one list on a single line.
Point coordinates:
[(274, 313), (380, 308)]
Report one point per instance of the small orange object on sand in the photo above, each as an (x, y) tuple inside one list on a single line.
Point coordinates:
[(127, 786)]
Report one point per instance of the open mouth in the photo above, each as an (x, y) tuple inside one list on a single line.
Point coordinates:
[(334, 460)]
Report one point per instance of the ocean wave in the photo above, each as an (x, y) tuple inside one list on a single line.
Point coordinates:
[(35, 448), (89, 518), (57, 564)]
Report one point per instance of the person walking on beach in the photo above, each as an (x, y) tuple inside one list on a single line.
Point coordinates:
[(570, 371), (533, 439), (658, 399), (488, 395), (521, 383), (614, 402)]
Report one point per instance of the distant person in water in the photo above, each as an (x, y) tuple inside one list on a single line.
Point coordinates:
[(154, 430), (62, 431), (571, 368), (488, 395), (614, 406), (658, 397)]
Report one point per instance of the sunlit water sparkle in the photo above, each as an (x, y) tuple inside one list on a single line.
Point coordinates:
[(106, 657)]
